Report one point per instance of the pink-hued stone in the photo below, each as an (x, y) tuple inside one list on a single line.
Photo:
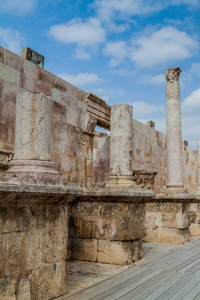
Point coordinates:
[(173, 124)]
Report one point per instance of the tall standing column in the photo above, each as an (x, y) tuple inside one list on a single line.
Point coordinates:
[(121, 174), (198, 166), (173, 124), (32, 136)]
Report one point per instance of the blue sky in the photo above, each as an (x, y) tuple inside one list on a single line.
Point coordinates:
[(117, 49)]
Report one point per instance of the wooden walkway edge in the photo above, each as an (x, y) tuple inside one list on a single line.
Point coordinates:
[(174, 275)]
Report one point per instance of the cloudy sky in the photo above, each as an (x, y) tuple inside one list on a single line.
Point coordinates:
[(117, 49)]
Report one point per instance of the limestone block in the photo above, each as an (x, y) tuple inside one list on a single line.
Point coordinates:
[(49, 281), (53, 244), (9, 74), (14, 219), (31, 250), (3, 54), (7, 289), (116, 252), (129, 229), (56, 95), (173, 235), (23, 291), (84, 249), (2, 253), (137, 249), (85, 230), (15, 255), (194, 229)]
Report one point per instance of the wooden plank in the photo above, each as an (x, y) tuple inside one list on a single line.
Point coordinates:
[(175, 288), (164, 287), (187, 288), (138, 281), (193, 292), (108, 284), (143, 290), (190, 267), (122, 289)]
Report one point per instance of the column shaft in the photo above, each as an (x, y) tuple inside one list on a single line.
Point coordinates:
[(121, 146), (198, 166), (173, 124), (32, 136)]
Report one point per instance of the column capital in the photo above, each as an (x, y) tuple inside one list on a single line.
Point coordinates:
[(172, 74)]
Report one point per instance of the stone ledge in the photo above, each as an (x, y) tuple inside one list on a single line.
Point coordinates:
[(179, 197)]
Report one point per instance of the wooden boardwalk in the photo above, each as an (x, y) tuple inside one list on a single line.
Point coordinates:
[(174, 276)]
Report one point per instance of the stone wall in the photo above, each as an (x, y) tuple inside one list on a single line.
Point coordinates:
[(107, 232), (72, 118), (167, 222), (149, 153), (33, 251)]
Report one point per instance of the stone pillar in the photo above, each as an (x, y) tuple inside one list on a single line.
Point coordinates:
[(173, 124), (121, 174), (198, 166), (33, 136)]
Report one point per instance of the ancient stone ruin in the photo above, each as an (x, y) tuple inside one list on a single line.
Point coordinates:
[(70, 192)]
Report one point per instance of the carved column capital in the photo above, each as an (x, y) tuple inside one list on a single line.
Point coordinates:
[(172, 74)]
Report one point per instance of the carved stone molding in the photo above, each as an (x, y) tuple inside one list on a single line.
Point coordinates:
[(99, 109), (5, 158)]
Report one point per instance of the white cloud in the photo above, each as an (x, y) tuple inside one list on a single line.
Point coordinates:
[(11, 40), (191, 104), (19, 7), (107, 94), (117, 50), (190, 118), (81, 53), (143, 110), (81, 79), (83, 34), (111, 12), (165, 45), (192, 3), (157, 79)]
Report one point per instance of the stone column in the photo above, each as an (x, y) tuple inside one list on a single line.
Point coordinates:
[(198, 166), (121, 174), (32, 136), (173, 124)]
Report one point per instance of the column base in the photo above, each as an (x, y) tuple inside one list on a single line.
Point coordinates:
[(37, 169), (122, 182), (198, 191), (175, 189)]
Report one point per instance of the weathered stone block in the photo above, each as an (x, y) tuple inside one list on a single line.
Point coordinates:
[(2, 253), (10, 74), (53, 244), (23, 291), (85, 229), (7, 289), (15, 254), (168, 235), (194, 229), (129, 229), (118, 252), (49, 281), (84, 249)]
